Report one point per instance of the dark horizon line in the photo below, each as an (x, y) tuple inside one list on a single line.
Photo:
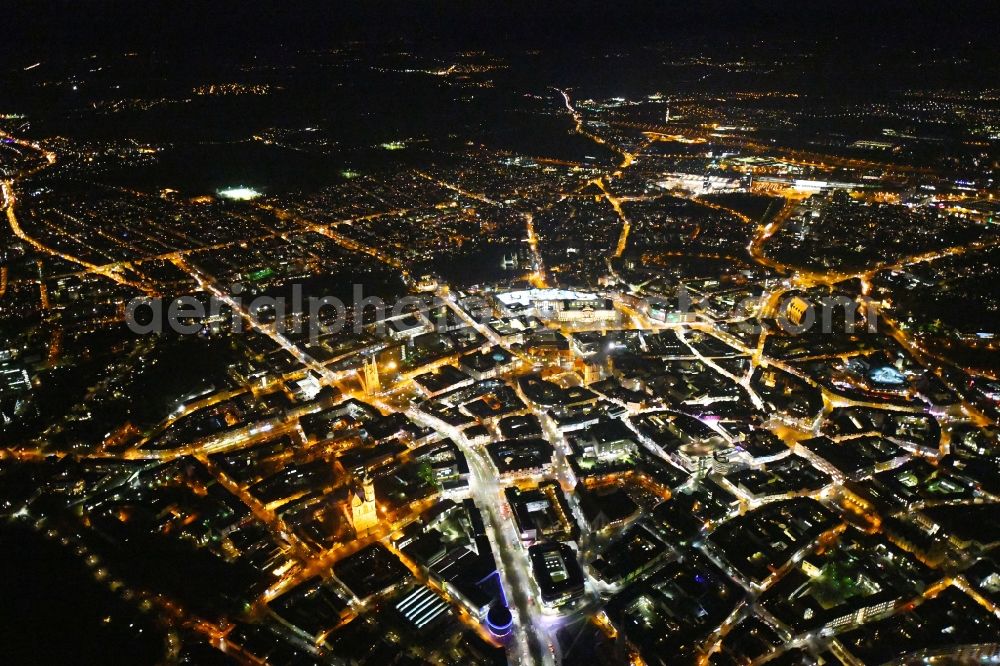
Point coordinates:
[(204, 28)]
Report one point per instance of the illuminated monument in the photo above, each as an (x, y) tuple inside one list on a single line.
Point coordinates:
[(363, 513), (371, 383)]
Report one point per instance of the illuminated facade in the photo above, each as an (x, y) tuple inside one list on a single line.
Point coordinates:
[(363, 512), (372, 381), (798, 310)]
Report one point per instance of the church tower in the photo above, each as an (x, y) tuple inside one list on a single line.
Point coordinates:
[(363, 513), (372, 384)]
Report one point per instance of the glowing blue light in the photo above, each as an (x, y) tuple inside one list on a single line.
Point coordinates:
[(887, 375), (505, 626)]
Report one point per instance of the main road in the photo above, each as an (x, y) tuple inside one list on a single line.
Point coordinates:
[(531, 642)]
